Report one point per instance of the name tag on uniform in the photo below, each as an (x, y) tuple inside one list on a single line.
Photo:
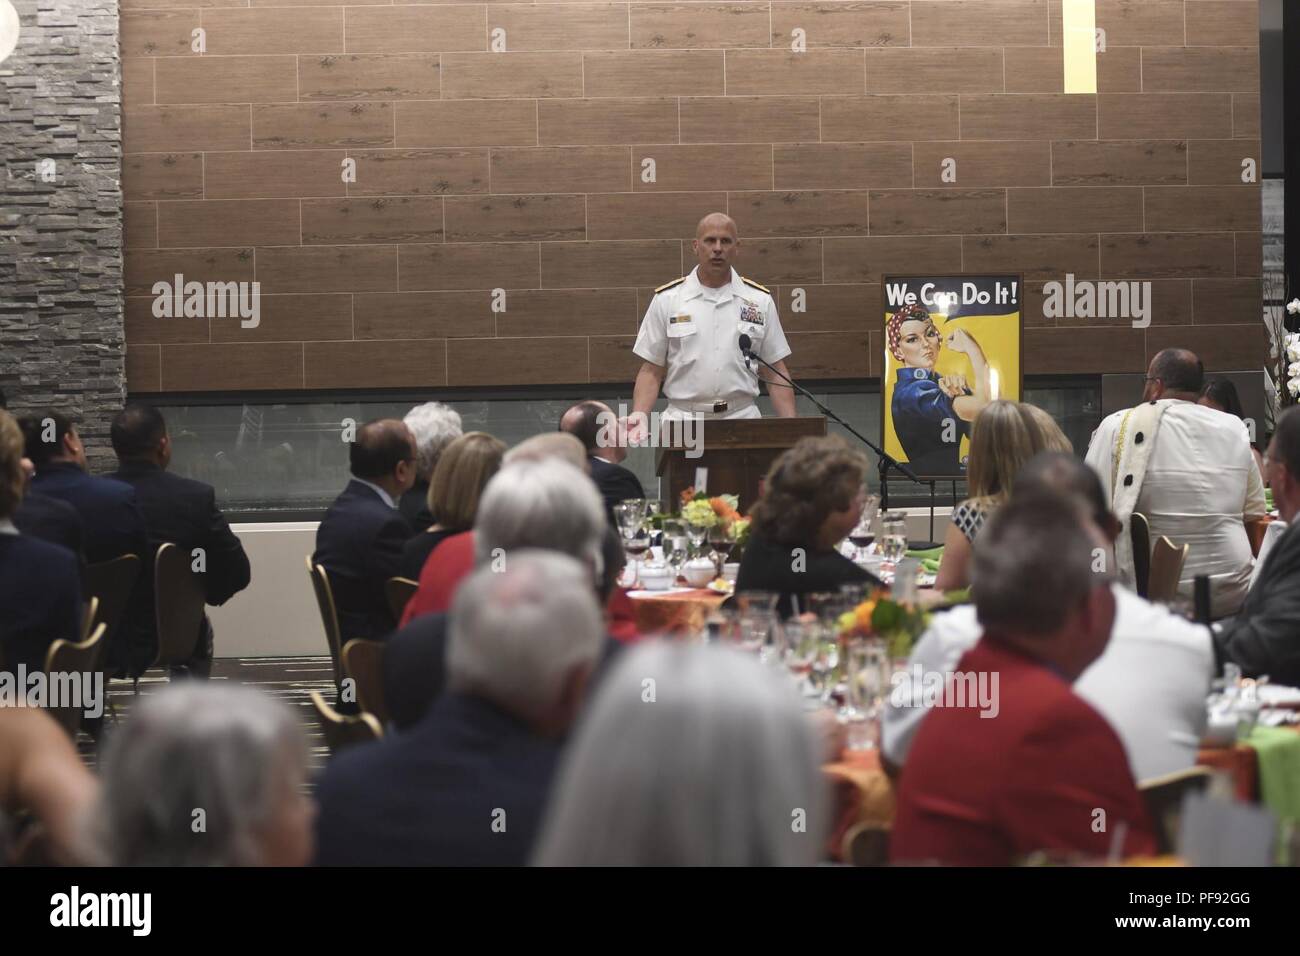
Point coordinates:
[(750, 312), (679, 319)]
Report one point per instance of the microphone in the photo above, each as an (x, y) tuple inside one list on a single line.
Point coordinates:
[(745, 342)]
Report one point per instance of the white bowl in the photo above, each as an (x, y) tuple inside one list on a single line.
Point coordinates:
[(699, 572), (656, 578)]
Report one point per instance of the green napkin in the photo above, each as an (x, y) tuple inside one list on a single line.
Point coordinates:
[(929, 558), (1278, 750), (1268, 499)]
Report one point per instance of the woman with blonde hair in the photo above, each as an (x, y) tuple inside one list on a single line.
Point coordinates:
[(1005, 436), (463, 471)]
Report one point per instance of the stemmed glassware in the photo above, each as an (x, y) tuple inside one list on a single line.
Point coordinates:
[(867, 676), (630, 516), (721, 540), (863, 532), (675, 545), (697, 533)]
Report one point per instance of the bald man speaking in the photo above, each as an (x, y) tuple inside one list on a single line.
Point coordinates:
[(689, 339)]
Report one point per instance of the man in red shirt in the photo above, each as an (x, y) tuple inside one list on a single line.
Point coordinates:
[(993, 778)]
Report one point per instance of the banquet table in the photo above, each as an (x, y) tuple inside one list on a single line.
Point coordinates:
[(678, 611)]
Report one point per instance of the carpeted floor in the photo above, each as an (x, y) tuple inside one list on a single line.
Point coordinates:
[(290, 679)]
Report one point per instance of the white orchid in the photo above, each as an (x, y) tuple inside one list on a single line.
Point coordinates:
[(1293, 307), (1293, 386), (1293, 370)]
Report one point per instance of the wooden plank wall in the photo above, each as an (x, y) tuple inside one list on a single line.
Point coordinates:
[(521, 170)]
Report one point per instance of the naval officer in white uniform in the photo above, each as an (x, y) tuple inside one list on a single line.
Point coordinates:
[(689, 339)]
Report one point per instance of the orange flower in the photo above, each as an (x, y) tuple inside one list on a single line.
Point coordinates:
[(723, 510), (863, 614)]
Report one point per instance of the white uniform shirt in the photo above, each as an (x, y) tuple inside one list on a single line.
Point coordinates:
[(694, 331), (1201, 483), (1150, 683)]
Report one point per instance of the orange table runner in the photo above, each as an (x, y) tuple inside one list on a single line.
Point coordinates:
[(680, 612)]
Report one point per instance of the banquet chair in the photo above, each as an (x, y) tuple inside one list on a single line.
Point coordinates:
[(342, 731), (1140, 534), (67, 657), (363, 662), (1164, 796), (88, 618), (179, 601), (866, 844), (111, 582), (399, 592), (320, 584), (1166, 568)]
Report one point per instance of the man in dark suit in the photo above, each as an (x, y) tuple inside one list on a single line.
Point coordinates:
[(40, 591), (1264, 636), (51, 520), (359, 542), (113, 522), (1014, 761), (180, 512), (595, 425), (467, 785), (433, 427), (526, 505)]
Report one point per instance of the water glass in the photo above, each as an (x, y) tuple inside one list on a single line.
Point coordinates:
[(893, 536)]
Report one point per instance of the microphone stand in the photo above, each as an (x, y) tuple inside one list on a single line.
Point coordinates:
[(884, 460)]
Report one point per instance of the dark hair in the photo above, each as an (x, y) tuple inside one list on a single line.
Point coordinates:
[(136, 431), (1179, 369), (1286, 441), (1223, 393), (41, 452), (586, 428), (808, 482), (379, 447), (1054, 472)]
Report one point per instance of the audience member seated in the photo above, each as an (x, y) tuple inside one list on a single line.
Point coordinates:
[(40, 587), (433, 427), (441, 576), (49, 518), (1150, 683), (1264, 637), (1190, 470), (42, 774), (559, 445), (112, 520), (463, 469), (813, 497), (1004, 437), (360, 540), (228, 756), (591, 422), (1042, 771), (178, 511), (468, 784), (688, 755), (1221, 395), (528, 504)]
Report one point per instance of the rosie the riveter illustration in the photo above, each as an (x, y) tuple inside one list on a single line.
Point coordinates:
[(932, 412)]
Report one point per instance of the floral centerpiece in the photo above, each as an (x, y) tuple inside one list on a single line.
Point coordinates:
[(898, 623), (704, 511), (1284, 351)]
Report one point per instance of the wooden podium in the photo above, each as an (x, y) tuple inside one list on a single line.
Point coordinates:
[(737, 452)]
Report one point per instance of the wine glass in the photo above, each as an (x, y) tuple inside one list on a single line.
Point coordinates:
[(697, 533), (867, 670), (893, 537), (801, 641), (721, 540), (863, 532)]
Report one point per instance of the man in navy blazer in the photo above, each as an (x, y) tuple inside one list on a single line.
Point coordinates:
[(615, 483), (112, 519), (180, 512), (51, 520), (359, 541), (468, 784), (40, 591)]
